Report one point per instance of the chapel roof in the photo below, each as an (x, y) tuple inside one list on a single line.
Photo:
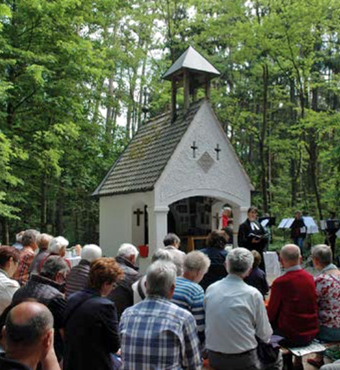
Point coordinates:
[(192, 60), (142, 162)]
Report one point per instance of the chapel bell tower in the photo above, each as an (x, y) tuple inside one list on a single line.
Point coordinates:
[(190, 71)]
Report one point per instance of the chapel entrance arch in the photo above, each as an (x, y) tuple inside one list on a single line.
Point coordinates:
[(193, 217)]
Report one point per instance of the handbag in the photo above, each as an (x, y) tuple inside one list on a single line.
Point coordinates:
[(267, 352)]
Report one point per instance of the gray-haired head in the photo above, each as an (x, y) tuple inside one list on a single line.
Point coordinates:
[(162, 254), (30, 237), (323, 253), (127, 250), (160, 279), (171, 239), (44, 241), (91, 252), (239, 262), (52, 266), (291, 254), (18, 236), (196, 261), (58, 245), (172, 255), (26, 324)]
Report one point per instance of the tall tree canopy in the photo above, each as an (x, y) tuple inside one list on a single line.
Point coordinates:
[(78, 77)]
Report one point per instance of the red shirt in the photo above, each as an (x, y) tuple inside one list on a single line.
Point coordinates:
[(225, 221), (292, 307), (26, 258)]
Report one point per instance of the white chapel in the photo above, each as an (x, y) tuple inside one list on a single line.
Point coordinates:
[(176, 173)]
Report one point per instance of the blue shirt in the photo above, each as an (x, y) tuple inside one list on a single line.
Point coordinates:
[(157, 334), (190, 296)]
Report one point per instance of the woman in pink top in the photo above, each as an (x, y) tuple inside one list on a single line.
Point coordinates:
[(327, 284)]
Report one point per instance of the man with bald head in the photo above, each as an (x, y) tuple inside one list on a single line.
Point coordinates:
[(292, 307), (28, 338)]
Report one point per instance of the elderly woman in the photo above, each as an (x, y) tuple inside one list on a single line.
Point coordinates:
[(9, 261), (216, 242), (43, 243), (327, 284), (91, 325), (56, 247)]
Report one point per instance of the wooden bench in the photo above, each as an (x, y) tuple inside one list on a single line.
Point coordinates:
[(287, 355)]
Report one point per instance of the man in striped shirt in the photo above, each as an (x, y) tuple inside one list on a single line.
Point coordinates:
[(188, 293)]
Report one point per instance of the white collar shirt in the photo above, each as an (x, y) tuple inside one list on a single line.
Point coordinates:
[(235, 313)]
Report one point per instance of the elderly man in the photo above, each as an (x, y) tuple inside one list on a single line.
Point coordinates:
[(292, 307), (27, 253), (235, 316), (29, 338), (77, 279), (188, 293), (122, 295), (155, 333), (46, 288), (172, 243), (43, 242)]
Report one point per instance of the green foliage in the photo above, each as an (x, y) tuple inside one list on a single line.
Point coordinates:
[(73, 75)]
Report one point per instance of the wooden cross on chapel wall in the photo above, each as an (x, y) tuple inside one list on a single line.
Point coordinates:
[(138, 213)]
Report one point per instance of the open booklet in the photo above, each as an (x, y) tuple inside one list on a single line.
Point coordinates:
[(312, 348)]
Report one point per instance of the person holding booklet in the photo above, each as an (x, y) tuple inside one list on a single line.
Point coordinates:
[(252, 236), (298, 231)]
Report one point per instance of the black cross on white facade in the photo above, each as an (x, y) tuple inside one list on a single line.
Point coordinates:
[(217, 150), (138, 213), (194, 148)]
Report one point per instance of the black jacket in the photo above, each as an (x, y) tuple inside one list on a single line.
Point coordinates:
[(47, 292), (91, 331), (245, 236), (122, 294), (217, 270), (7, 364)]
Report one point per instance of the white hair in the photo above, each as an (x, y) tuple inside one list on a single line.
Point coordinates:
[(196, 261), (57, 244), (239, 261), (91, 252), (160, 277), (127, 250)]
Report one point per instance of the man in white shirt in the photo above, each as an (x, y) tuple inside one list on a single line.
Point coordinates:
[(171, 244), (235, 314)]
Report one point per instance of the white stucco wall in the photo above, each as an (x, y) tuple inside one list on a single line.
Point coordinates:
[(183, 176), (117, 222)]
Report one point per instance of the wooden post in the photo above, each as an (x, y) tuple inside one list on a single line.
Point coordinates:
[(173, 100), (186, 84), (207, 88)]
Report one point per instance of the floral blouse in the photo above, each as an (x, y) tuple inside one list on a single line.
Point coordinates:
[(328, 294)]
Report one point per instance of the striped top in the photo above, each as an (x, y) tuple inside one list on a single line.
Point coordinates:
[(190, 296)]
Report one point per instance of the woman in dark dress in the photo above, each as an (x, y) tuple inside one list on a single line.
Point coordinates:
[(252, 236), (90, 319), (216, 243)]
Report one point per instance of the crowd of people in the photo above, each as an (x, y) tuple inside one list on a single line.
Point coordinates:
[(210, 305)]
